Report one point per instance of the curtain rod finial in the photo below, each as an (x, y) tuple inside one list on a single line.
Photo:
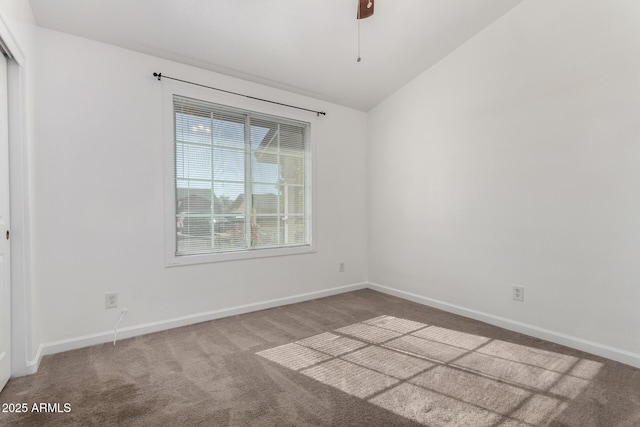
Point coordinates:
[(158, 75)]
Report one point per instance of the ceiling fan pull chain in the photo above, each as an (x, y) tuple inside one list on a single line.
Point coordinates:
[(365, 10), (359, 59)]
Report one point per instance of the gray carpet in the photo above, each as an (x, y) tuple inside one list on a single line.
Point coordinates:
[(356, 359)]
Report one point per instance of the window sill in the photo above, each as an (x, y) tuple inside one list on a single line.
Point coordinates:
[(176, 261)]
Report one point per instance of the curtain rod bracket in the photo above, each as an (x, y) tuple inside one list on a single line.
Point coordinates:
[(158, 75)]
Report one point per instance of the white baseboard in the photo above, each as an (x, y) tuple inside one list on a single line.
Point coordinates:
[(602, 350), (32, 365), (147, 328), (598, 349)]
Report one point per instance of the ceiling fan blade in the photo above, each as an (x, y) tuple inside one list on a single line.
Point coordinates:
[(365, 8)]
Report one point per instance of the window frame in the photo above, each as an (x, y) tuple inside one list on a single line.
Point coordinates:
[(169, 89)]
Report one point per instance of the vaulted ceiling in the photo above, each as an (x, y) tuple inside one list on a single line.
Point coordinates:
[(307, 47)]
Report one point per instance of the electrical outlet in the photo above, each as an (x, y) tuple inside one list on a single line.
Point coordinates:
[(518, 293), (111, 300), (341, 267)]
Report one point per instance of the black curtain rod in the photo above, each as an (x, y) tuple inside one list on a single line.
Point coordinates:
[(160, 76)]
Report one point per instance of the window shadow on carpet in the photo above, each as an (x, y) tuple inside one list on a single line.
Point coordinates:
[(440, 377)]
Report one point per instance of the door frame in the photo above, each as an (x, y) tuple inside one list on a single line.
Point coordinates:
[(24, 360), (5, 279)]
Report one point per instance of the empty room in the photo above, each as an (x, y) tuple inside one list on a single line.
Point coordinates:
[(335, 213)]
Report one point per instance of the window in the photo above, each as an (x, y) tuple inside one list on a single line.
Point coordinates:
[(241, 182)]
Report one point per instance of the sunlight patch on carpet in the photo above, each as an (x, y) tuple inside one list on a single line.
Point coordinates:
[(440, 377), (350, 378), (454, 338), (368, 333), (403, 326), (331, 344), (294, 356), (430, 349), (402, 366), (433, 409)]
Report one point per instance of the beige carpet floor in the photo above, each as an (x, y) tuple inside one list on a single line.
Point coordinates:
[(357, 359)]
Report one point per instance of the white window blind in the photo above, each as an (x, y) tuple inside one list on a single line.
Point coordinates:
[(241, 180)]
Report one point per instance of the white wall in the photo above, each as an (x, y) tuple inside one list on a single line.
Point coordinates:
[(99, 192), (515, 161)]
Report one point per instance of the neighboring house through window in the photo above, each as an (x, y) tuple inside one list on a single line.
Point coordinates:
[(241, 182)]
